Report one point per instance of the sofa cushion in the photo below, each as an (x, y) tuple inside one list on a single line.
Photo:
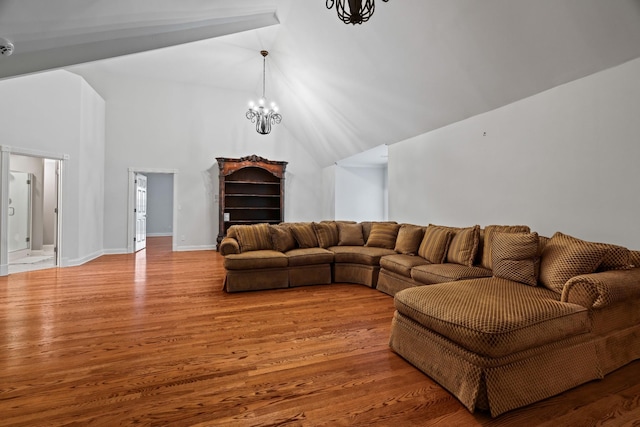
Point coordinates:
[(464, 245), (448, 272), (305, 235), (401, 264), (515, 257), (359, 254), (634, 258), (327, 234), (309, 256), (616, 258), (565, 257), (282, 238), (435, 243), (255, 259), (383, 235), (368, 225), (409, 239), (350, 234), (493, 317), (253, 237), (487, 257)]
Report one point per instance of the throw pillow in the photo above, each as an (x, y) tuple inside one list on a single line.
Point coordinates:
[(464, 246), (409, 238), (282, 238), (253, 237), (435, 243), (327, 234), (304, 234), (565, 257), (350, 235), (616, 258), (383, 235), (515, 257), (489, 230)]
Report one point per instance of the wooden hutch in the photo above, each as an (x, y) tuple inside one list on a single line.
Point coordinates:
[(251, 192)]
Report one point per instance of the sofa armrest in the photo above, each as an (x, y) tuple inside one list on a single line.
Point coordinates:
[(597, 290), (229, 245)]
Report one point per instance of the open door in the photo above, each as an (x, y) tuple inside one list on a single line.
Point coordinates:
[(140, 239)]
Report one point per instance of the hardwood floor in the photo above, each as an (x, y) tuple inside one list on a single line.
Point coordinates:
[(152, 339)]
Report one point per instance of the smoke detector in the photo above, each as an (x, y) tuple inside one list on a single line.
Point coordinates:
[(6, 47)]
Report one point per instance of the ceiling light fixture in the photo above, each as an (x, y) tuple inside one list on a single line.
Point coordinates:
[(358, 12), (262, 115)]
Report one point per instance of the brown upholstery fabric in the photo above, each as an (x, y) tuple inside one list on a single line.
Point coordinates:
[(634, 258), (409, 238), (470, 313), (229, 245), (255, 259), (359, 254), (350, 234), (602, 289), (327, 234), (304, 275), (616, 258), (255, 280), (440, 273), (464, 245), (383, 235), (282, 238), (305, 235), (253, 237), (489, 230), (391, 283), (368, 225), (401, 264), (515, 257), (309, 256), (435, 243), (565, 257)]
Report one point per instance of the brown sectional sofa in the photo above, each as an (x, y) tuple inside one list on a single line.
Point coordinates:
[(500, 316)]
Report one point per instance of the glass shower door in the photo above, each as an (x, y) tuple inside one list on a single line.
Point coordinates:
[(19, 225)]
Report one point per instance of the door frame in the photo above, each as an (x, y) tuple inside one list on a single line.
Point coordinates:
[(131, 204), (5, 156)]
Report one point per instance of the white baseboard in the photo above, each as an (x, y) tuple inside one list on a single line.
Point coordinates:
[(66, 262), (169, 234), (4, 270), (196, 248)]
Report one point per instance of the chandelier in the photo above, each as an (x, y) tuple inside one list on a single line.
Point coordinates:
[(262, 115), (358, 12)]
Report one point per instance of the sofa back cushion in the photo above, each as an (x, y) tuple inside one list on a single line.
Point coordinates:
[(368, 225), (383, 235), (634, 258), (616, 258), (304, 234), (435, 243), (565, 257), (409, 239), (464, 245), (516, 257), (254, 237), (489, 230), (350, 234), (327, 234), (282, 238)]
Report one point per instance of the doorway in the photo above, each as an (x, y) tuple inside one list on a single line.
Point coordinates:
[(160, 211), (32, 217)]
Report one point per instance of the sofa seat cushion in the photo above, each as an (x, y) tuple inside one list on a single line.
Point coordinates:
[(493, 317), (359, 254), (309, 256), (401, 264), (447, 272), (256, 259)]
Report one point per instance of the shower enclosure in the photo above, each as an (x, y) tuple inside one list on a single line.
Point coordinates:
[(19, 220)]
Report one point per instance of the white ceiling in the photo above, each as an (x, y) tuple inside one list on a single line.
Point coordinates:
[(415, 66)]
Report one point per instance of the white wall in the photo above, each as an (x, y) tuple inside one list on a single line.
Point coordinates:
[(159, 204), (360, 193), (57, 114), (153, 124), (563, 160)]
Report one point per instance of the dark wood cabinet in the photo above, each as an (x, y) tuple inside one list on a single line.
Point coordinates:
[(251, 192)]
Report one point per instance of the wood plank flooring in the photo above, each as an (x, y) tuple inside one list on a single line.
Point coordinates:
[(152, 339)]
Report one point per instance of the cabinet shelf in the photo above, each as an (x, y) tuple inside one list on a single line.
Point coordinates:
[(251, 192)]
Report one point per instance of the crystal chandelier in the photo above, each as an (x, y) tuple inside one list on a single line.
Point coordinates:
[(262, 115), (358, 12)]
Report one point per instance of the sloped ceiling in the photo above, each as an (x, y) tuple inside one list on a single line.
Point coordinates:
[(417, 65)]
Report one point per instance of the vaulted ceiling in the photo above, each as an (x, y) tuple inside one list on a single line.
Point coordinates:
[(417, 65)]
